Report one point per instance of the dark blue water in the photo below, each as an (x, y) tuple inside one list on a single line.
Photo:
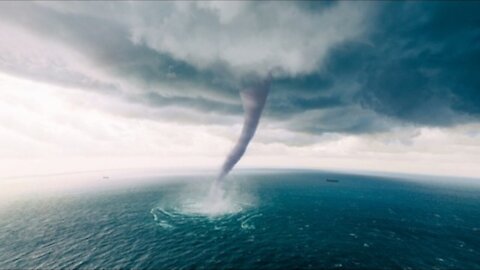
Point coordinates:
[(291, 220)]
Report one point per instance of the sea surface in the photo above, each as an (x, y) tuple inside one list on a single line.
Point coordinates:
[(269, 220)]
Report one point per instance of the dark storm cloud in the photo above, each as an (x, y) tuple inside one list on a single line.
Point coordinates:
[(424, 62), (418, 63)]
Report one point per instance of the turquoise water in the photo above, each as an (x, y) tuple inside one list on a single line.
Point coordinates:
[(273, 220)]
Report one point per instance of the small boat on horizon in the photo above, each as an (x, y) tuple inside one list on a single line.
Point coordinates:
[(332, 180)]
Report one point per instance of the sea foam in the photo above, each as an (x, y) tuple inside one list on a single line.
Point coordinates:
[(205, 201)]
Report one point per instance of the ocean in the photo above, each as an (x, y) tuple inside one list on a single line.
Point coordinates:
[(269, 220)]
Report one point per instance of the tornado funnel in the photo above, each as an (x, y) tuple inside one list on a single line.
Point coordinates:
[(253, 100)]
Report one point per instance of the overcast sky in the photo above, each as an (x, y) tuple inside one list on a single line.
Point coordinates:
[(378, 86)]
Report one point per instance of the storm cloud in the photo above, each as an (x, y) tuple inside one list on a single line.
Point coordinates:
[(342, 67)]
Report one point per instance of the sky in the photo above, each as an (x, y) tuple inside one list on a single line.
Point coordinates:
[(367, 86)]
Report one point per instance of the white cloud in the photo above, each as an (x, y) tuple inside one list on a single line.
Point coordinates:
[(431, 151), (249, 37), (41, 121), (40, 58)]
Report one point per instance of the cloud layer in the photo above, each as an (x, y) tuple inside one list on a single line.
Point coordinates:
[(343, 67)]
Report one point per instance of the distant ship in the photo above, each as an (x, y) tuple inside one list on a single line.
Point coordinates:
[(332, 180)]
